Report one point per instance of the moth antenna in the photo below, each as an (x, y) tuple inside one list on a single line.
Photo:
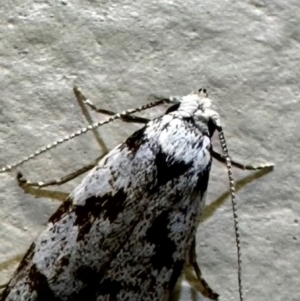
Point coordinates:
[(82, 131), (234, 210)]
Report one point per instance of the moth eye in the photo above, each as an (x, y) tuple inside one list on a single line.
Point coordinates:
[(203, 92)]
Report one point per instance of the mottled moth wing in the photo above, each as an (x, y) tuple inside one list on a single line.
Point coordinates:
[(124, 232)]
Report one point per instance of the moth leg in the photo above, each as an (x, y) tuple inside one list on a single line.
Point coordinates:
[(234, 163), (202, 285), (26, 183), (127, 118), (81, 102)]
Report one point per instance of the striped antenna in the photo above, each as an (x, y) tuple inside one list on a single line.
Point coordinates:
[(80, 132), (234, 210)]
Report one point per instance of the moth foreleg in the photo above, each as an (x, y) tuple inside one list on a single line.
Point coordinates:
[(126, 118), (23, 182), (219, 157)]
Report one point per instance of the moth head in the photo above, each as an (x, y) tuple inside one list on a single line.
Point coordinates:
[(197, 106)]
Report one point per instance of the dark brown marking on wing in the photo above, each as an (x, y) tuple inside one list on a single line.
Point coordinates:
[(169, 169), (108, 205), (39, 284), (159, 235), (62, 209), (134, 142)]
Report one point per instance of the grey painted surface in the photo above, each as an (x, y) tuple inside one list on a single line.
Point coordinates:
[(119, 52)]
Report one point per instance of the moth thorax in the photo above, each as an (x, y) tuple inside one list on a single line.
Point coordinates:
[(191, 103)]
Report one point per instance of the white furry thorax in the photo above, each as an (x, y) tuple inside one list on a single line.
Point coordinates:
[(196, 105)]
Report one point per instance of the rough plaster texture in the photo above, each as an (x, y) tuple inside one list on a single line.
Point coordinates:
[(119, 52)]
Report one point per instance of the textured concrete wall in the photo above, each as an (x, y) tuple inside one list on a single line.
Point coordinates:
[(119, 52)]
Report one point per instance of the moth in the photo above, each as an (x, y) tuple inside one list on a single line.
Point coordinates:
[(127, 230)]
